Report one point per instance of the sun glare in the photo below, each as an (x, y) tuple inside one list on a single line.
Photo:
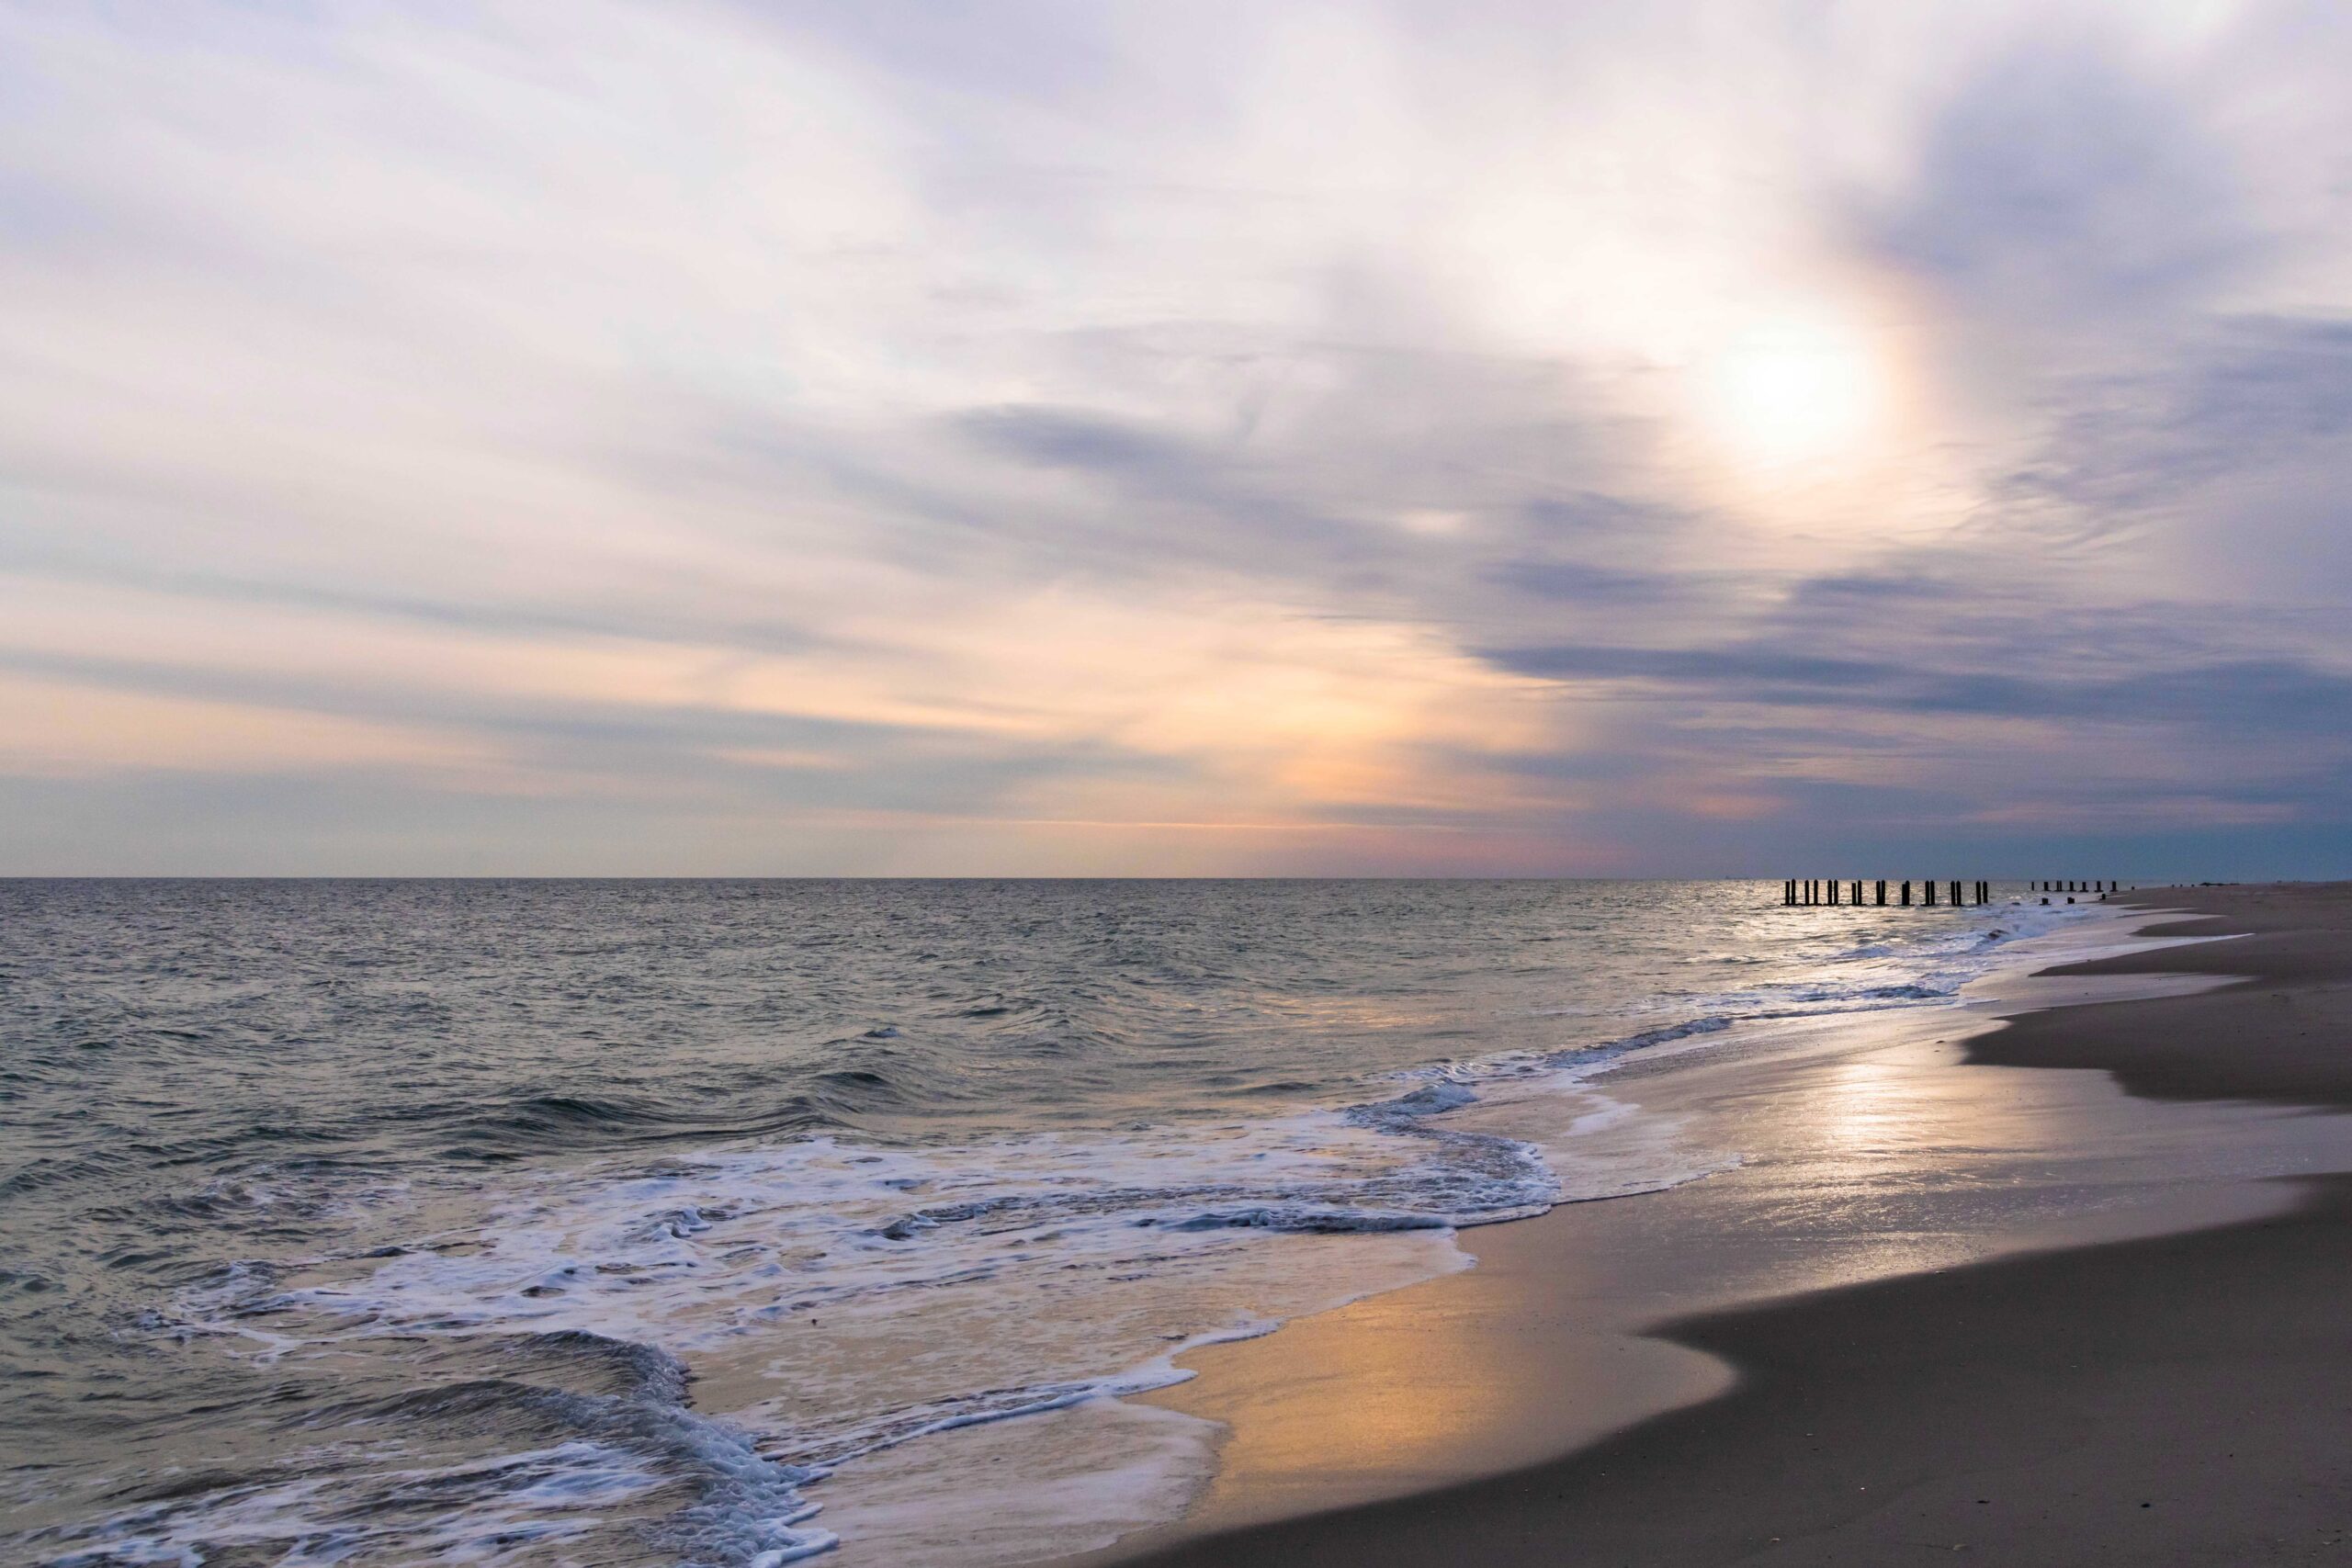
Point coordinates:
[(1793, 390)]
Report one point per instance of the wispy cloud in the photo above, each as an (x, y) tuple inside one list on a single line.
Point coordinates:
[(1109, 437)]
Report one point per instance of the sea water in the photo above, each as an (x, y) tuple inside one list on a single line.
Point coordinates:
[(731, 1223)]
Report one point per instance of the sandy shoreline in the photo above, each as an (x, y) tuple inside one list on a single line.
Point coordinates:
[(2066, 1388)]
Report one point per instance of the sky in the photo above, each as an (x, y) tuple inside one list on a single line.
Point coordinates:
[(932, 437)]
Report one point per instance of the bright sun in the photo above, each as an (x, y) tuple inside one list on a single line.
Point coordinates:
[(1793, 390)]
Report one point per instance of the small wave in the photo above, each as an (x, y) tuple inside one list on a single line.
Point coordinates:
[(542, 1124), (590, 1450)]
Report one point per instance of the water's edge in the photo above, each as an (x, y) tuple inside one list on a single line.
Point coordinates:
[(1667, 1377)]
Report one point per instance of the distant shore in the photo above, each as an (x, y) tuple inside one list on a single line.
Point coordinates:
[(2171, 1398)]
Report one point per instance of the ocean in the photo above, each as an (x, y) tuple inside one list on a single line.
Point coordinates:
[(643, 1221)]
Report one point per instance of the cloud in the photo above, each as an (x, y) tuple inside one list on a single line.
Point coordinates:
[(1112, 437), (2060, 182), (2212, 698)]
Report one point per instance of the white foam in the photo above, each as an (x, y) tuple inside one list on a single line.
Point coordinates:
[(728, 1249)]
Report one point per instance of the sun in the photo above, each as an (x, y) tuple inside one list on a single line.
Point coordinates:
[(1793, 390)]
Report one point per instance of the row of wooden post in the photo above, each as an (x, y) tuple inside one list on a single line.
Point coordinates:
[(2076, 888), (1795, 893)]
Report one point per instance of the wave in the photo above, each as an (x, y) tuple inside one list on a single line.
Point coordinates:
[(589, 1452)]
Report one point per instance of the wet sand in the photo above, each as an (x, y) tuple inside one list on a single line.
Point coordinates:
[(2169, 1397)]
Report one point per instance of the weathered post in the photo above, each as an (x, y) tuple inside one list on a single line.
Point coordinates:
[(1929, 889), (1907, 894), (1882, 893)]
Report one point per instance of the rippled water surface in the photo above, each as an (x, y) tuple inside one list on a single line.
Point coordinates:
[(389, 1221)]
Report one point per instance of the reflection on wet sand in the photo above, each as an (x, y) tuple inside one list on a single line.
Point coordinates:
[(1867, 1149)]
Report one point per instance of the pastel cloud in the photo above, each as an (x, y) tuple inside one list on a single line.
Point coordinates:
[(1082, 438)]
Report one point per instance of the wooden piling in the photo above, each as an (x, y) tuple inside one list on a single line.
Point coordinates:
[(1837, 892)]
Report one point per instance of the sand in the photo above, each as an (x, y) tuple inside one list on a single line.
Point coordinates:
[(2168, 1398)]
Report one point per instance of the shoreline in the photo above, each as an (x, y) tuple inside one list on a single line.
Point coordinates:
[(1531, 1392), (1141, 1456)]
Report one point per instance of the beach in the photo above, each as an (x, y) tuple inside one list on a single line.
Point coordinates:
[(2069, 1289), (910, 1224), (1075, 785)]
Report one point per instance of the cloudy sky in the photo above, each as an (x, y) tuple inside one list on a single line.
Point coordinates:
[(932, 435)]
